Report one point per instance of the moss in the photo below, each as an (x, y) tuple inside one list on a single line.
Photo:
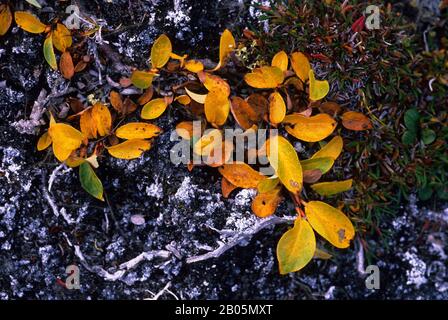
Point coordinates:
[(382, 73)]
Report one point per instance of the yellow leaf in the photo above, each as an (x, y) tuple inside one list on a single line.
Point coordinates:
[(280, 60), (310, 129), (330, 223), (332, 149), (209, 141), (264, 78), (217, 84), (322, 164), (5, 19), (194, 66), (322, 254), (44, 142), (61, 152), (29, 22), (283, 158), (277, 108), (267, 185), (226, 46), (142, 79), (241, 175), (330, 188), (265, 204), (318, 89), (300, 65), (138, 130), (183, 99), (199, 98), (154, 109), (130, 149), (65, 138), (296, 247), (49, 52), (161, 51), (74, 161), (217, 107), (88, 124), (62, 38), (103, 119)]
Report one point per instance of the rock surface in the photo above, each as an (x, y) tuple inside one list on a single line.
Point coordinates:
[(162, 209)]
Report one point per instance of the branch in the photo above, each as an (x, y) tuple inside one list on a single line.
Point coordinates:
[(240, 237)]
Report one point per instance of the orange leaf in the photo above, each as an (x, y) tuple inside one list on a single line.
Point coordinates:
[(103, 119), (243, 113), (356, 121), (88, 125), (241, 175), (226, 187), (66, 65), (29, 22), (116, 101), (217, 107), (5, 19), (62, 38), (266, 203)]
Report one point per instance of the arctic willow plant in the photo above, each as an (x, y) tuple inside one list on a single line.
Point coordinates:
[(278, 92)]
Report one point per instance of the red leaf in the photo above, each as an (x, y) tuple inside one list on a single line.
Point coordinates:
[(358, 25)]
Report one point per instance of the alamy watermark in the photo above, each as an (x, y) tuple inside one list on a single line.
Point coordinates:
[(373, 279), (373, 18)]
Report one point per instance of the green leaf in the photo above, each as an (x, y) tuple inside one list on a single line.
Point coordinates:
[(408, 137), (428, 136), (411, 118), (90, 182), (425, 193), (323, 164), (34, 3), (49, 52)]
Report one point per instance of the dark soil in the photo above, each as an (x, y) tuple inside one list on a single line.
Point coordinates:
[(179, 207)]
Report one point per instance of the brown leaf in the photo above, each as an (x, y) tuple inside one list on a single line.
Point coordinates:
[(260, 105), (76, 105), (243, 113), (311, 176), (331, 108), (146, 97), (66, 65), (129, 106)]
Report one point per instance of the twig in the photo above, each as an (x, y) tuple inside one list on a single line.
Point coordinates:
[(54, 175), (161, 292), (124, 267), (240, 237)]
